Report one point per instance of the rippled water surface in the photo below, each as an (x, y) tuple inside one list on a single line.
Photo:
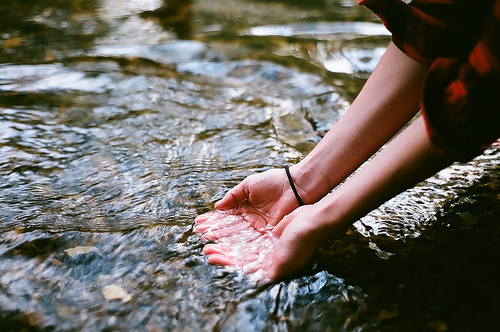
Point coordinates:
[(120, 121)]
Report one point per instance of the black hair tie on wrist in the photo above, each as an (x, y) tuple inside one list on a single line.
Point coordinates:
[(289, 176)]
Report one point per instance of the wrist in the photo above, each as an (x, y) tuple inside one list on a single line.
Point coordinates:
[(327, 222), (310, 185), (292, 186)]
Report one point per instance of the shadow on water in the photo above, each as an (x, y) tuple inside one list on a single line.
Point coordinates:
[(442, 279), (176, 15), (121, 120)]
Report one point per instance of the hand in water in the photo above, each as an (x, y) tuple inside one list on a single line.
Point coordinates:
[(284, 236), (261, 200), (267, 253), (235, 242), (242, 226)]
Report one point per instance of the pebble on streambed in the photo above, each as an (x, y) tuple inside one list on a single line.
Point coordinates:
[(115, 292), (80, 250)]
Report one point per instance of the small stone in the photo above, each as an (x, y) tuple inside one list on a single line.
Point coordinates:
[(115, 292), (384, 314), (80, 250), (12, 42), (438, 326), (64, 311), (35, 319), (56, 262)]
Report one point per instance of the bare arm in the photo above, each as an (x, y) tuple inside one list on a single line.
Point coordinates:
[(389, 99), (406, 161)]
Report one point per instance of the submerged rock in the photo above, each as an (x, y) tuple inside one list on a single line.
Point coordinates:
[(80, 250), (115, 292)]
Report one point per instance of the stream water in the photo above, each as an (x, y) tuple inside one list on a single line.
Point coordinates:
[(121, 120)]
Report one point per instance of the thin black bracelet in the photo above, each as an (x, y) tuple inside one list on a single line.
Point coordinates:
[(289, 176)]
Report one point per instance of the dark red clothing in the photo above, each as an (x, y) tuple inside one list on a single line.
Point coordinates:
[(460, 40)]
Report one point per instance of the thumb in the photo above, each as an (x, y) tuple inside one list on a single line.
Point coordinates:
[(283, 223), (233, 197)]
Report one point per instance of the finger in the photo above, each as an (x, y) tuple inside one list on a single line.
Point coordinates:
[(215, 224), (237, 256), (219, 220), (247, 245), (214, 215), (280, 227), (216, 234), (211, 248), (205, 217), (242, 244), (257, 221), (233, 197), (218, 259), (233, 259), (245, 238)]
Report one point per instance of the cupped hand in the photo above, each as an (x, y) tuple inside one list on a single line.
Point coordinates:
[(259, 227), (261, 199), (300, 234), (267, 254)]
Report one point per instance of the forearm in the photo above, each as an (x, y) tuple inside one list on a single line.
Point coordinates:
[(409, 159), (389, 99)]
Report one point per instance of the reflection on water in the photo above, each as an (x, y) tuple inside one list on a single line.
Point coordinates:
[(120, 121), (329, 30)]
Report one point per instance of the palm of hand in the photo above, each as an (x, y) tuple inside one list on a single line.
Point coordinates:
[(260, 200), (263, 254), (241, 230), (240, 227)]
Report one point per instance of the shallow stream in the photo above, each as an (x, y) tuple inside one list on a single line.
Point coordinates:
[(121, 120)]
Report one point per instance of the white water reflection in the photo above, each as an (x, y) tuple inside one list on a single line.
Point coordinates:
[(328, 30), (49, 77), (172, 52), (352, 61)]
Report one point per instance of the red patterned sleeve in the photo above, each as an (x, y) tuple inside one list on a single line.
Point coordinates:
[(461, 101), (460, 41), (428, 29)]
